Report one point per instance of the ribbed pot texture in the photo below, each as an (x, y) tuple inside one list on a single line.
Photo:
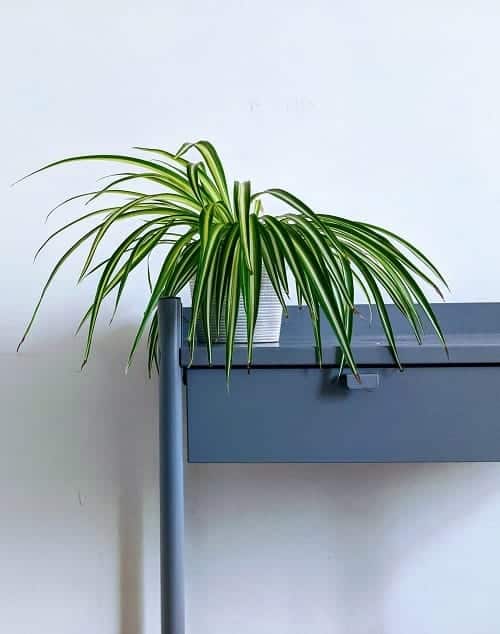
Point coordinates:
[(267, 327)]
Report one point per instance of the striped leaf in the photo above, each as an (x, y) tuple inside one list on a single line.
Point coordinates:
[(214, 164), (223, 243), (158, 289), (232, 307), (251, 283), (241, 197)]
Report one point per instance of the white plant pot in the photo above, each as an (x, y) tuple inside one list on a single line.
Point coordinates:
[(267, 327)]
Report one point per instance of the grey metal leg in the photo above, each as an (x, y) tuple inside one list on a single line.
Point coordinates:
[(171, 469)]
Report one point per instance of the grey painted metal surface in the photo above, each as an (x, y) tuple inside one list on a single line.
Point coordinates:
[(171, 469), (424, 414), (440, 409), (366, 381), (289, 410), (472, 332)]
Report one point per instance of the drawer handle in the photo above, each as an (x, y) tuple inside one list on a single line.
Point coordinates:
[(367, 382)]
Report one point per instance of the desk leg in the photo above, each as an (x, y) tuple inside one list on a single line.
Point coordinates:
[(171, 470)]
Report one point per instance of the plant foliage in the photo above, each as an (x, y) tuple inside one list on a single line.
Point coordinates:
[(223, 239)]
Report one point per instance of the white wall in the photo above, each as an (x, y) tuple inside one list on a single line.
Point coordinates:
[(386, 111)]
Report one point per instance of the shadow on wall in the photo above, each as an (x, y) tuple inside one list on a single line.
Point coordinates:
[(318, 544), (81, 462)]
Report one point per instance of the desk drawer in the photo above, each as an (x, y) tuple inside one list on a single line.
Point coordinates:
[(424, 414)]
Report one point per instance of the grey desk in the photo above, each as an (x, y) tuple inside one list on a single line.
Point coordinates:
[(287, 409)]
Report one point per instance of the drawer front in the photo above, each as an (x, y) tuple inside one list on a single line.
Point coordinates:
[(424, 414)]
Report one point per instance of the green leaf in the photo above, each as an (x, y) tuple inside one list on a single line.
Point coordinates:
[(208, 251), (174, 179), (161, 283), (393, 276), (289, 199), (382, 311), (112, 218), (214, 164), (302, 208), (278, 258), (279, 232), (179, 199), (193, 172), (103, 282), (153, 352), (186, 269), (242, 207), (84, 195), (348, 308), (232, 308), (227, 248), (124, 270), (177, 160), (326, 300), (208, 299), (223, 244), (369, 240), (70, 224), (251, 283), (328, 256), (270, 266), (416, 252), (143, 247), (56, 268)]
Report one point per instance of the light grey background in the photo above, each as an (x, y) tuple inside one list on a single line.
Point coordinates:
[(385, 111)]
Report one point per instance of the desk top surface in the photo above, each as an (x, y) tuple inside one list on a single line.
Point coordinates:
[(472, 332)]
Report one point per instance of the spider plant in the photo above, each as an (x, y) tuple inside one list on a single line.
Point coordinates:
[(224, 240)]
